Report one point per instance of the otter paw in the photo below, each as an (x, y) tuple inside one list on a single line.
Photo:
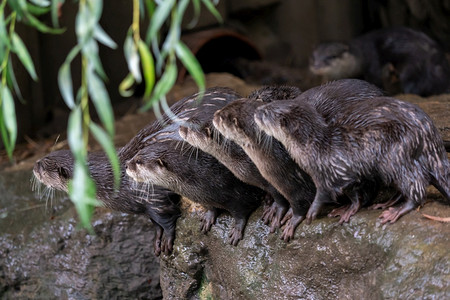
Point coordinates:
[(209, 218), (235, 236)]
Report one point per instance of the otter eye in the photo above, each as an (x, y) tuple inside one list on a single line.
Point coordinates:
[(138, 161), (161, 163), (63, 172)]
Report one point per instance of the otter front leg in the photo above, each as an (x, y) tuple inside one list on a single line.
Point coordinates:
[(167, 240), (208, 219), (320, 199), (157, 241), (237, 231)]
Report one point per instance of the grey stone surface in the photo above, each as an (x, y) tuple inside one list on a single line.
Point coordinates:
[(43, 255)]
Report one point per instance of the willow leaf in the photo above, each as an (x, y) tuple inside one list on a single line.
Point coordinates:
[(107, 145), (101, 36), (5, 138), (164, 85), (4, 38), (65, 84), (41, 3), (9, 118), (42, 27), (158, 18), (125, 86), (75, 133), (148, 67), (102, 103), (24, 56), (37, 10), (132, 57), (56, 6), (212, 9), (194, 21), (12, 81), (82, 192), (191, 63)]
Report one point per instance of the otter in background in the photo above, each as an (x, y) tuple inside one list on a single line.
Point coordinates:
[(397, 60)]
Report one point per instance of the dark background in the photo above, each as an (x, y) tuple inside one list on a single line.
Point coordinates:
[(283, 31)]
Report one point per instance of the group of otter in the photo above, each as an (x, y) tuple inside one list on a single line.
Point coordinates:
[(338, 143)]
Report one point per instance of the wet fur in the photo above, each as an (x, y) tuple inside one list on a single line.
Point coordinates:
[(236, 121), (202, 134), (169, 161), (390, 139), (159, 204)]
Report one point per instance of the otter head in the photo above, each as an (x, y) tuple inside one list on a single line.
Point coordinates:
[(55, 170), (334, 61), (273, 119), (270, 93), (235, 121), (197, 134), (148, 165)]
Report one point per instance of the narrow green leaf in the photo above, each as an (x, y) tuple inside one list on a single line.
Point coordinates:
[(159, 16), (4, 38), (97, 8), (150, 5), (37, 10), (107, 144), (82, 192), (125, 86), (21, 50), (56, 6), (65, 84), (42, 27), (101, 36), (194, 21), (101, 101), (164, 85), (84, 25), (75, 133), (191, 63), (212, 9), (12, 81), (5, 137), (41, 3), (148, 67), (9, 117), (132, 57), (90, 50)]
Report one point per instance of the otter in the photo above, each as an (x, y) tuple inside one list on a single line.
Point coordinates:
[(167, 160), (201, 133), (235, 121), (159, 204), (397, 60), (395, 140)]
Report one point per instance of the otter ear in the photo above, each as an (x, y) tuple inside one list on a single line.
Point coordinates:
[(283, 122), (235, 121), (208, 131)]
